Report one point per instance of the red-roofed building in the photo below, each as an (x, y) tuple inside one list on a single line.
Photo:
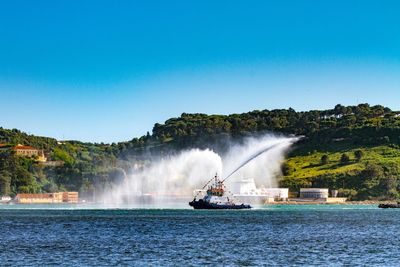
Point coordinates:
[(25, 151), (28, 151)]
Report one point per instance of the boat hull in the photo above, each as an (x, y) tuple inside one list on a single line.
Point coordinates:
[(389, 206), (204, 205)]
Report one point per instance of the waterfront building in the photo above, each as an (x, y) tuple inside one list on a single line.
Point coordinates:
[(47, 198), (70, 197)]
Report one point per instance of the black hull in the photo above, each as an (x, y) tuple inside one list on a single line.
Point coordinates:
[(203, 205), (389, 206)]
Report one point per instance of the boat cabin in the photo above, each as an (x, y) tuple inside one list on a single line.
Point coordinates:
[(217, 189)]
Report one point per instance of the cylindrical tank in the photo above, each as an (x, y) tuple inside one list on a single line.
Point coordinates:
[(314, 193)]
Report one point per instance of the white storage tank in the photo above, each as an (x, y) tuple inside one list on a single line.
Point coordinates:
[(314, 192)]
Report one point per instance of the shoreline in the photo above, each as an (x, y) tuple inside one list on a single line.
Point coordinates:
[(363, 202)]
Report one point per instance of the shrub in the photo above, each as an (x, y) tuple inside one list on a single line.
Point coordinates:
[(358, 154), (324, 159), (344, 159)]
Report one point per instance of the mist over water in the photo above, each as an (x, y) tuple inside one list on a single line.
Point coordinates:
[(177, 176)]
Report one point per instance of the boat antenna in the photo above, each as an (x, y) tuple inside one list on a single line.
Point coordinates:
[(216, 175)]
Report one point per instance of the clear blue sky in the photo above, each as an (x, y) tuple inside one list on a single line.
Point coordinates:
[(108, 70)]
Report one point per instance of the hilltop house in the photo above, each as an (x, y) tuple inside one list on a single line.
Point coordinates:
[(26, 151)]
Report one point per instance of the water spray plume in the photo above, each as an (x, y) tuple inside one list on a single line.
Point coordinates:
[(173, 175), (178, 175)]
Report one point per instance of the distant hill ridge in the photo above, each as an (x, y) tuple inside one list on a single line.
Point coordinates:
[(279, 120)]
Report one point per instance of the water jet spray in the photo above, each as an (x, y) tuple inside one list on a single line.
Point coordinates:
[(175, 176), (250, 159)]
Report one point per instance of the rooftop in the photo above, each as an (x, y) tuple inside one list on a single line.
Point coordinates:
[(24, 147)]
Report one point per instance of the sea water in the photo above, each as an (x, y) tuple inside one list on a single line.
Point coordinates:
[(295, 235)]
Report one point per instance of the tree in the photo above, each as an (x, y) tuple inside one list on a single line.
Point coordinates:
[(386, 139), (285, 169), (349, 193), (358, 154), (372, 171), (324, 159), (344, 159), (372, 185), (59, 154), (5, 183), (340, 110), (349, 120)]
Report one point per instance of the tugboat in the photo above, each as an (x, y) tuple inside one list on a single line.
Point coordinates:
[(216, 199)]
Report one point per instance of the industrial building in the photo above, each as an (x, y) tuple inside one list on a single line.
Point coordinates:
[(247, 191)]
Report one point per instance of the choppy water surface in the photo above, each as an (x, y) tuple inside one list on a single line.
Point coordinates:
[(277, 235)]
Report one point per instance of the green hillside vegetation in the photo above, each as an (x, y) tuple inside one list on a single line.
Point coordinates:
[(309, 166), (374, 175), (86, 167), (354, 149)]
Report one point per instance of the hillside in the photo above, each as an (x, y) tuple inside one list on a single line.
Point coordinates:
[(373, 176), (328, 134)]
